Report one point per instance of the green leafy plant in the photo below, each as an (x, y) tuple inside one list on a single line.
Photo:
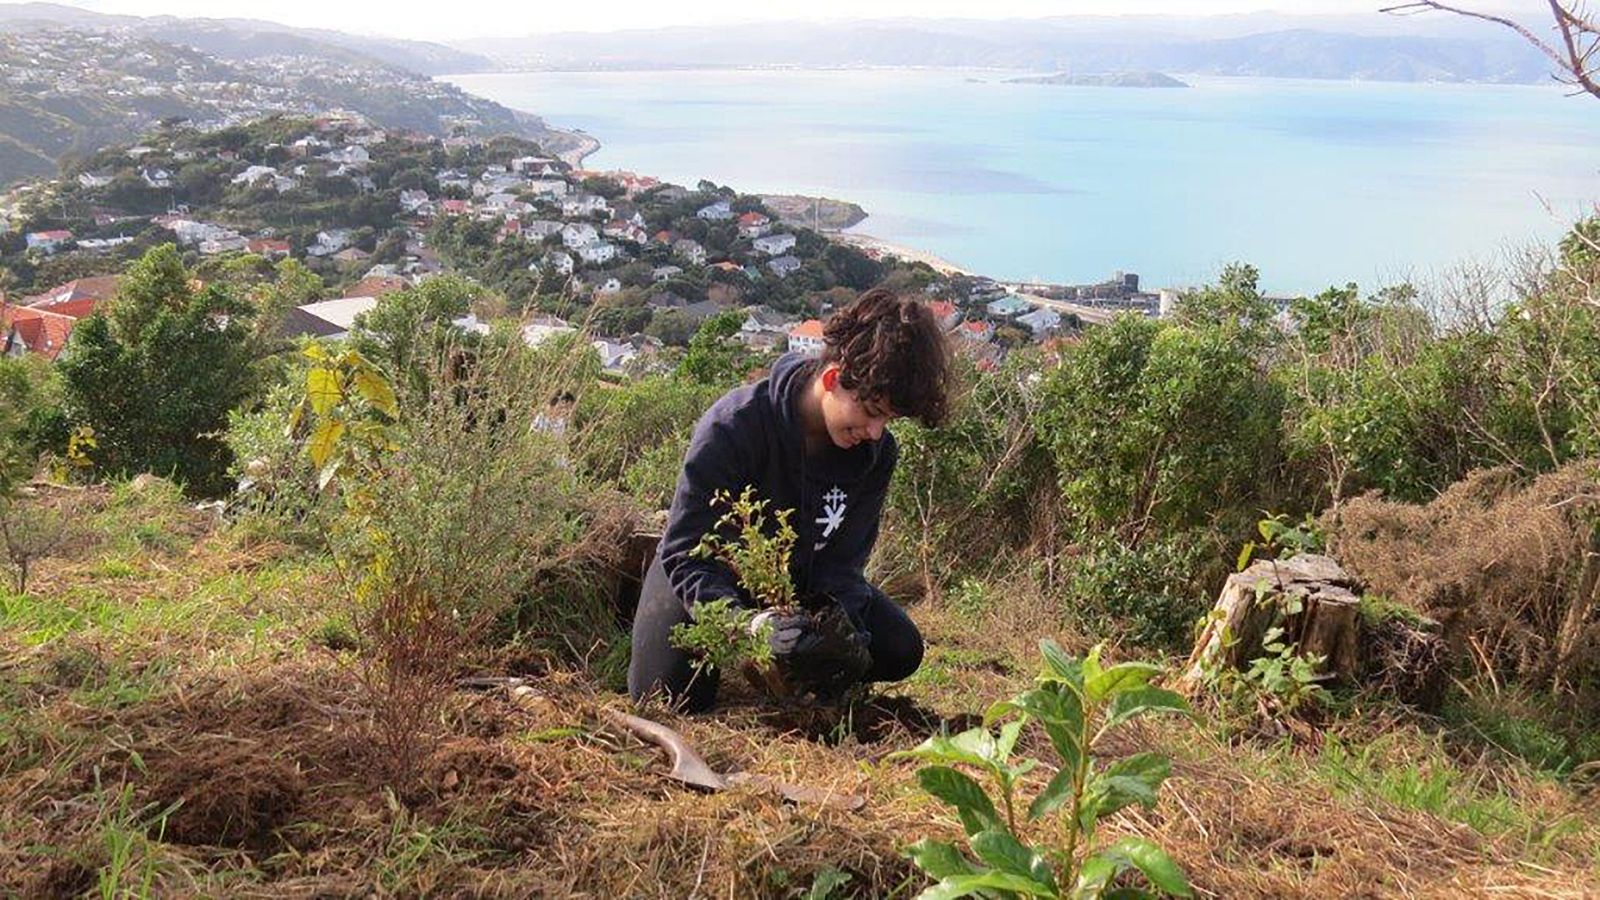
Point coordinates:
[(1075, 702), (723, 634), (1281, 539), (1288, 678)]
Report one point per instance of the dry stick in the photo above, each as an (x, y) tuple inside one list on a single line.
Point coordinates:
[(1573, 59)]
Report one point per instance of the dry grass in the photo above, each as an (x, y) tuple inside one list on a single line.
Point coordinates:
[(171, 738)]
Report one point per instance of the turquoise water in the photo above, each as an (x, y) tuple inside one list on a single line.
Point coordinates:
[(1316, 183)]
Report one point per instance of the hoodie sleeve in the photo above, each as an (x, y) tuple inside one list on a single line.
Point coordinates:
[(840, 568), (717, 460)]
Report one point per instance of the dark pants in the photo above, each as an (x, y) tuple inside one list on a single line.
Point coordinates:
[(658, 667)]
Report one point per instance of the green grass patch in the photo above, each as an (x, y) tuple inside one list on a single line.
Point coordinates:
[(1429, 782)]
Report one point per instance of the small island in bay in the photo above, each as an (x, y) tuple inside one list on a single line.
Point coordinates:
[(821, 213), (1105, 79)]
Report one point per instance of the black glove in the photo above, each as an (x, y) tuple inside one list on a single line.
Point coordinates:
[(820, 651)]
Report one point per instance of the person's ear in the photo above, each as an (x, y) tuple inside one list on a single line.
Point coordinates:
[(830, 378)]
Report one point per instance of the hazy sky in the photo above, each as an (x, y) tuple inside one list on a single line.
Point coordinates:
[(481, 18)]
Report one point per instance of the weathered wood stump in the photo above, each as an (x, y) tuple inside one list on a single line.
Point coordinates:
[(1318, 606), (1316, 603)]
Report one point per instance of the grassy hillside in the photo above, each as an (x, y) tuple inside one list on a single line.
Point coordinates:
[(180, 716)]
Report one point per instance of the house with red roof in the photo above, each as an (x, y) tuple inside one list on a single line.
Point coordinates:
[(806, 338), (977, 331), (76, 298), (753, 225), (271, 248), (24, 329)]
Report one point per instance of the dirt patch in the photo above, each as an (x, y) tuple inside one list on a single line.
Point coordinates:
[(226, 793)]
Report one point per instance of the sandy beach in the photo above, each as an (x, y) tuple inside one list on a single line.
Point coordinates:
[(881, 247)]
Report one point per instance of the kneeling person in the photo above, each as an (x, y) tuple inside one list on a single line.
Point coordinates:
[(811, 438)]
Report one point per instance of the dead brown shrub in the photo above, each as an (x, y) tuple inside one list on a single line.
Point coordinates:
[(1510, 567)]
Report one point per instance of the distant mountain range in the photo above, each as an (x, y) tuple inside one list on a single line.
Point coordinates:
[(1376, 47)]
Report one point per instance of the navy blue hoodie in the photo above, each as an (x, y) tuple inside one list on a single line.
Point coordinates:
[(753, 436)]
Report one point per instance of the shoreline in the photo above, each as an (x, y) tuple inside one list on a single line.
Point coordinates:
[(873, 244)]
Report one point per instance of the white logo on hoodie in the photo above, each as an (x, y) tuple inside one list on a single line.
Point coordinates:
[(833, 507)]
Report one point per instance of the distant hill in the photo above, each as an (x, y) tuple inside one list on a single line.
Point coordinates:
[(1106, 79), (1374, 47), (246, 39), (69, 92)]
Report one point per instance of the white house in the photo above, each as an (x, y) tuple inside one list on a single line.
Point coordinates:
[(784, 266), (1009, 305), (662, 273), (222, 244), (353, 155), (558, 262), (716, 212), (584, 205), (614, 355), (253, 174), (452, 178), (806, 338), (157, 178), (47, 241), (598, 252), (775, 244), (412, 201), (579, 234), (753, 225), (609, 286), (689, 250), (544, 328), (1041, 321), (539, 229), (553, 188), (90, 180)]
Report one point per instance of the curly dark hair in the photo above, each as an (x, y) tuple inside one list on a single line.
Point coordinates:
[(891, 348)]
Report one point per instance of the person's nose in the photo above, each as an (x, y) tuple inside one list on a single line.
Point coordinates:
[(875, 428)]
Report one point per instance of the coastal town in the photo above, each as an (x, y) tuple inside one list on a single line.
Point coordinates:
[(637, 265)]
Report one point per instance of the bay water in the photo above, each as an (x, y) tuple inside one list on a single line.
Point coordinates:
[(1314, 182)]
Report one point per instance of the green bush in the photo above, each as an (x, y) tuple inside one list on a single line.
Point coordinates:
[(1149, 595), (156, 374)]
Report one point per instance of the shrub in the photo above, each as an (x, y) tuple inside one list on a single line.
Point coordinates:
[(1150, 595), (458, 513), (1158, 428)]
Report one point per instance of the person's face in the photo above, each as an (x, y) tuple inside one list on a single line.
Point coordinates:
[(850, 420)]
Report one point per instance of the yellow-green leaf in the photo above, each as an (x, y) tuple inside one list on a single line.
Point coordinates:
[(323, 441), (375, 389), (322, 388)]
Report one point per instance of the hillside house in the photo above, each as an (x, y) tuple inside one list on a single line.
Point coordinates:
[(775, 244), (1041, 321), (784, 266), (598, 252), (945, 313), (254, 174), (689, 250), (719, 211), (584, 205), (578, 234), (806, 338), (26, 330), (753, 225), (1009, 305), (47, 241), (977, 331)]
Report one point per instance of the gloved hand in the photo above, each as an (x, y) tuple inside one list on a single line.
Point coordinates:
[(821, 651)]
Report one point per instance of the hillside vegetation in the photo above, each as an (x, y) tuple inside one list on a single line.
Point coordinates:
[(390, 660)]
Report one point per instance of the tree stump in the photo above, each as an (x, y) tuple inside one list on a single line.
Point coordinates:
[(1314, 601), (1318, 606)]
